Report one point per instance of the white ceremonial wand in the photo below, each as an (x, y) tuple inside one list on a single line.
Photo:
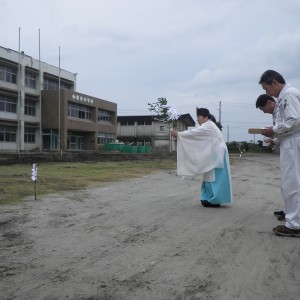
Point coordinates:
[(173, 116)]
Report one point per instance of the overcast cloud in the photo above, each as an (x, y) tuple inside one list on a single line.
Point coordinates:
[(192, 52)]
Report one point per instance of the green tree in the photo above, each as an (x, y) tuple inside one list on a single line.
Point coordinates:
[(160, 108)]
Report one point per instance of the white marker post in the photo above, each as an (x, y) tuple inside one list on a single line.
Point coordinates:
[(34, 178)]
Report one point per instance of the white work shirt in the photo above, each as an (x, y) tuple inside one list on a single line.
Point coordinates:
[(287, 114)]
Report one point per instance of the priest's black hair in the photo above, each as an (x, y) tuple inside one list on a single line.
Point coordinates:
[(204, 112)]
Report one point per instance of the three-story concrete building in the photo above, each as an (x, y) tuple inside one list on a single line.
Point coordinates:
[(40, 108)]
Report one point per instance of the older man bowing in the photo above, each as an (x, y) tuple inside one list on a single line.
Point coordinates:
[(287, 129)]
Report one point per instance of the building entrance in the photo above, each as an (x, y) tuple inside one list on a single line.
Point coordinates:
[(75, 142), (50, 139)]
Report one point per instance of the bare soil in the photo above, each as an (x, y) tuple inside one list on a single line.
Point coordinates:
[(150, 238)]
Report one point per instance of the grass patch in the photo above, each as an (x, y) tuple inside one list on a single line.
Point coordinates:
[(16, 183)]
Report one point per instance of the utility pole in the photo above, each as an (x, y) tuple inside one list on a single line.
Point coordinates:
[(19, 136), (220, 112), (40, 94), (59, 131), (227, 133)]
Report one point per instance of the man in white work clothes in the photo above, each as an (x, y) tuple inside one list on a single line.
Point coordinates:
[(287, 129), (267, 105)]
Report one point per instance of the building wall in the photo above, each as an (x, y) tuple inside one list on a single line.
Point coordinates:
[(46, 105), (88, 129), (157, 132), (23, 65)]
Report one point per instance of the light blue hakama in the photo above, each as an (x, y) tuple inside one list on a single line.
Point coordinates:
[(218, 191), (203, 151)]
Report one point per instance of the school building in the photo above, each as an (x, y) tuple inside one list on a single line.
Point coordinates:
[(40, 108), (149, 131)]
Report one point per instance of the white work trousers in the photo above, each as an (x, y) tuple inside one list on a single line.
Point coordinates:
[(290, 179)]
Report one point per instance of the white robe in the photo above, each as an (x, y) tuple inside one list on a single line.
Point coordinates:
[(200, 151), (287, 129)]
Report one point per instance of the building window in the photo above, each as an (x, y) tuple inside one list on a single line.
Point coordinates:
[(30, 108), (105, 138), (127, 123), (29, 135), (30, 80), (8, 133), (143, 143), (79, 111), (144, 123), (104, 116), (8, 104), (8, 74), (53, 84)]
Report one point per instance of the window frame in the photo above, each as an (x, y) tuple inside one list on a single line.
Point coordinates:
[(8, 134), (8, 103), (30, 80), (29, 135), (30, 108), (8, 74), (105, 138), (105, 116), (78, 111)]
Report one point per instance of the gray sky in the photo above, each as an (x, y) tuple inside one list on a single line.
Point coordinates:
[(192, 52)]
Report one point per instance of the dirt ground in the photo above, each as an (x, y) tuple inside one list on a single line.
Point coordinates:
[(150, 238)]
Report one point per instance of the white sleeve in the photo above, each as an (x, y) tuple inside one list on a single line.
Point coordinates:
[(291, 122)]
